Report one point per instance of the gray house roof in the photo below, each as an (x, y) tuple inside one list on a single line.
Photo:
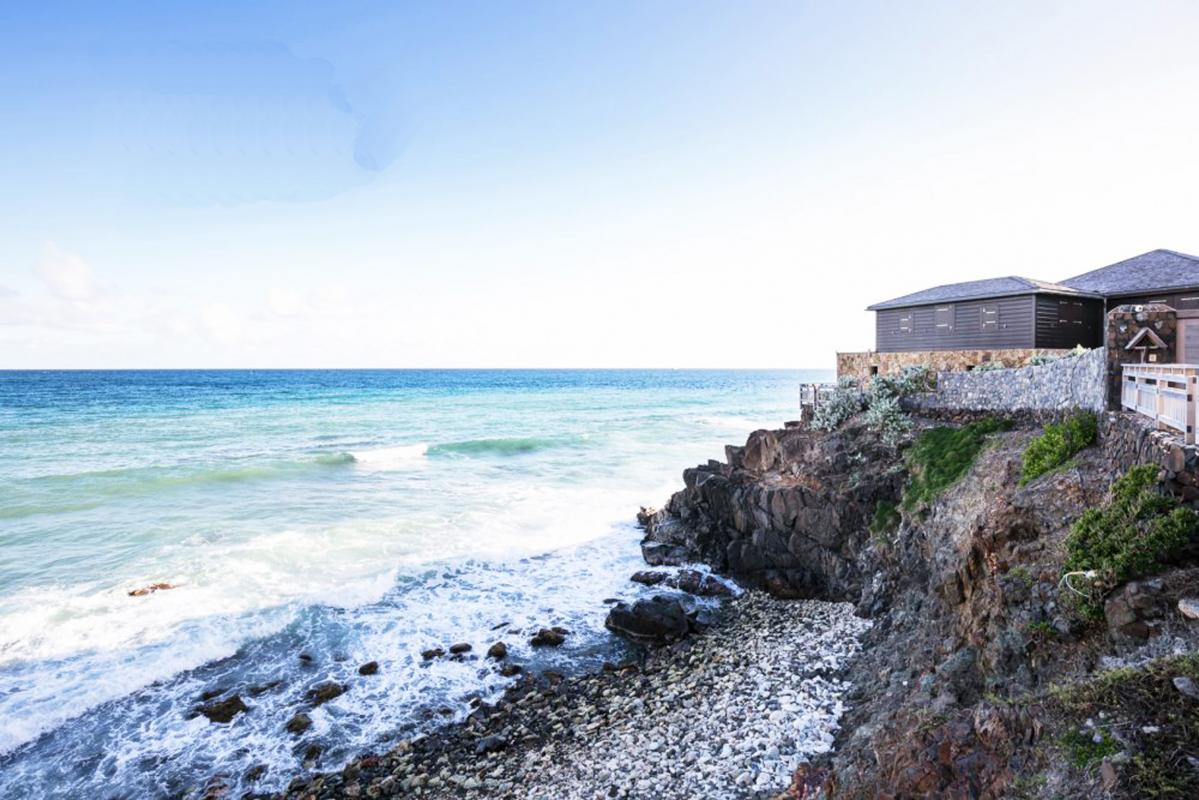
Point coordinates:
[(1148, 273), (981, 290)]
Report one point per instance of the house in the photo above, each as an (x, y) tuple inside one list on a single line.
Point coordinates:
[(1012, 320)]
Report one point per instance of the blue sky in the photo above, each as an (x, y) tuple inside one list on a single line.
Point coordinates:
[(564, 184)]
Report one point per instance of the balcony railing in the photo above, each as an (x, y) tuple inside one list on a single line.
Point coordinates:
[(1166, 393)]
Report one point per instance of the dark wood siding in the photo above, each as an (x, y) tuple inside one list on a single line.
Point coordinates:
[(1069, 321), (1187, 300), (1011, 327)]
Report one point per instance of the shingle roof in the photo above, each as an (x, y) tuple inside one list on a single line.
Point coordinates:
[(978, 290), (1147, 273)]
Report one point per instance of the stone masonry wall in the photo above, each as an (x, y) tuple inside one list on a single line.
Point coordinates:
[(1124, 323), (858, 365), (1070, 382), (1130, 439)]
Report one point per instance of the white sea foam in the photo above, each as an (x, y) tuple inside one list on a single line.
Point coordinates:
[(397, 457)]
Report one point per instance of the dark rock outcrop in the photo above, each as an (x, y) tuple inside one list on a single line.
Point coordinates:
[(658, 620), (498, 651), (324, 692), (789, 512), (549, 637), (223, 711)]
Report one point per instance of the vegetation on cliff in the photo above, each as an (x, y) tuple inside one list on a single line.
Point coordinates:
[(941, 456), (1058, 444), (1137, 531)]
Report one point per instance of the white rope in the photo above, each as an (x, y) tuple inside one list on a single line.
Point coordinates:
[(1089, 574)]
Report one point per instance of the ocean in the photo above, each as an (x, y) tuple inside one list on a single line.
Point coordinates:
[(343, 516)]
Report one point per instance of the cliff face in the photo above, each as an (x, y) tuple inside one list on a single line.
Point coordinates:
[(971, 625), (789, 512)]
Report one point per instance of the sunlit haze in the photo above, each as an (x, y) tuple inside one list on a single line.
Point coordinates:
[(666, 184)]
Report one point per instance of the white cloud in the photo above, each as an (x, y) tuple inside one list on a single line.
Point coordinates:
[(66, 275)]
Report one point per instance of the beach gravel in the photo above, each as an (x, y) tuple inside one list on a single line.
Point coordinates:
[(726, 713)]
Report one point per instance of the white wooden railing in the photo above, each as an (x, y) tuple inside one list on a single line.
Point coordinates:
[(1166, 393)]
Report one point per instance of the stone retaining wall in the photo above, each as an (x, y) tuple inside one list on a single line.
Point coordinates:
[(1130, 439), (1068, 383), (861, 366)]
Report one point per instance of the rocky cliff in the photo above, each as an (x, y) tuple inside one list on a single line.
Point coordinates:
[(979, 677)]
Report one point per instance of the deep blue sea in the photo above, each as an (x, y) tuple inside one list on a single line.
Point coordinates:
[(348, 516)]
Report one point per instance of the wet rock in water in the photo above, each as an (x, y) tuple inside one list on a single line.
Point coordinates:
[(255, 772), (306, 658), (549, 637), (312, 753), (701, 584), (299, 723), (648, 577), (491, 744), (263, 688), (432, 653), (662, 554), (501, 625), (369, 668), (498, 651), (223, 711), (211, 693), (459, 648), (324, 692), (508, 670), (658, 620), (151, 589)]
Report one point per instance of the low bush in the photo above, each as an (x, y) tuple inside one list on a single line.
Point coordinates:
[(943, 455), (1058, 444), (846, 401), (1137, 531), (885, 417), (886, 518)]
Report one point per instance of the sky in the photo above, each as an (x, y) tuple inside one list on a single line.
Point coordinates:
[(565, 184)]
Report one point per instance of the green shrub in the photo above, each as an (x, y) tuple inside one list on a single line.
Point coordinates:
[(886, 518), (1133, 534), (910, 380), (941, 456), (886, 418), (846, 401), (1058, 444), (988, 366)]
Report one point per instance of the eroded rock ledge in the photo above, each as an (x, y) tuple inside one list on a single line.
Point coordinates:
[(788, 512)]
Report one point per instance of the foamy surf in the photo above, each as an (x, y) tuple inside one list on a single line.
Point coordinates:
[(351, 516)]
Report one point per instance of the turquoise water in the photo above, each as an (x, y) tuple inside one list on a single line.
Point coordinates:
[(346, 515)]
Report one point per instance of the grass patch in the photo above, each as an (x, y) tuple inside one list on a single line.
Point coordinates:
[(1136, 698), (941, 456), (1136, 532), (1058, 444), (1086, 749), (886, 518)]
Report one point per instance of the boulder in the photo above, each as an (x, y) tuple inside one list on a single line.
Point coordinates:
[(648, 577), (491, 744), (459, 648), (431, 653), (658, 620), (700, 584), (369, 668), (498, 651), (324, 692), (1189, 607), (549, 637), (299, 723), (223, 711)]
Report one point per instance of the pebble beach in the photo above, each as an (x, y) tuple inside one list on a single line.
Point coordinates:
[(728, 712)]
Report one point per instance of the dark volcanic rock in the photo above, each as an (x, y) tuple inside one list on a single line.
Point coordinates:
[(459, 648), (498, 651), (491, 744), (324, 692), (299, 723), (648, 577), (549, 637), (658, 620), (700, 584), (369, 668), (789, 512), (508, 670), (224, 711), (431, 653)]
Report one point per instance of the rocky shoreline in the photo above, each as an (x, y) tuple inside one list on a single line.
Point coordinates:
[(728, 713)]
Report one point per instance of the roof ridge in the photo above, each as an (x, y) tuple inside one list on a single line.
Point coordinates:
[(1177, 253)]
